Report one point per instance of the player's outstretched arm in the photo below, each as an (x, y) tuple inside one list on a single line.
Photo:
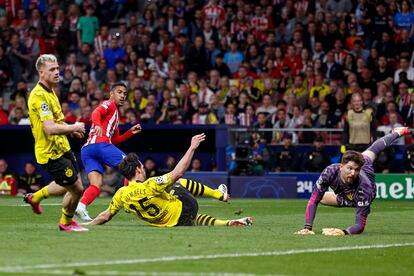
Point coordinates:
[(184, 163), (102, 218), (383, 142), (53, 128)]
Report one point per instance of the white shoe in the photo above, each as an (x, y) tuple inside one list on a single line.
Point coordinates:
[(82, 213), (247, 221), (226, 196)]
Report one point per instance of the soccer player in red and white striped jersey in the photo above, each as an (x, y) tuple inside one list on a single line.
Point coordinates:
[(99, 149)]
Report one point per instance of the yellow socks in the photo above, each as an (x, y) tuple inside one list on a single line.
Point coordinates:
[(66, 217), (198, 189), (40, 195), (209, 221)]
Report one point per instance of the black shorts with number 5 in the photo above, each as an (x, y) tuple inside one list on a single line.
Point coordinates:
[(64, 170), (190, 205)]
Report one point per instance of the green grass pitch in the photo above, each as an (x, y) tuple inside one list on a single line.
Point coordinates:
[(33, 245)]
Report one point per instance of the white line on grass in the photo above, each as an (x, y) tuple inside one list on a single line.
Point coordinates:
[(201, 257), (135, 273), (27, 205)]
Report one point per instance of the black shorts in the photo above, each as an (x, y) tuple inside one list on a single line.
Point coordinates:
[(64, 170), (190, 206)]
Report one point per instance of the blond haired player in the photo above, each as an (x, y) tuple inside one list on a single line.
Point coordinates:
[(52, 147)]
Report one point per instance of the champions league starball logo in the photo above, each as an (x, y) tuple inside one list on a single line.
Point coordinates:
[(263, 188)]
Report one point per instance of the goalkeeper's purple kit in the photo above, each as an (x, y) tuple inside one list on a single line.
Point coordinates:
[(359, 194)]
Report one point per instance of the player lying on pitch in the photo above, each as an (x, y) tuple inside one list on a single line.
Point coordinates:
[(167, 200), (353, 185)]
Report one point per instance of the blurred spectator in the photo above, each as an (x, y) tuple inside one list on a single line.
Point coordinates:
[(102, 41), (4, 115), (325, 118), (266, 107), (31, 180), (114, 52), (261, 154), (204, 116), (317, 159), (404, 20), (169, 165), (408, 112), (130, 117), (88, 27), (382, 71), (233, 58), (286, 156), (150, 167), (283, 121), (8, 180), (404, 66), (230, 117), (85, 115), (17, 54), (196, 58), (358, 125), (320, 89), (170, 115), (149, 116), (18, 117), (73, 18), (217, 107), (69, 116), (83, 55), (212, 52), (263, 123), (5, 69), (214, 12), (20, 92), (195, 165), (204, 92), (221, 66)]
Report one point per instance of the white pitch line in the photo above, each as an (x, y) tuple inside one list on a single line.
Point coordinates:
[(135, 273), (201, 257), (27, 205)]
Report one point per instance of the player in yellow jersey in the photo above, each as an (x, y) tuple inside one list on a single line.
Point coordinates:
[(167, 200), (52, 147)]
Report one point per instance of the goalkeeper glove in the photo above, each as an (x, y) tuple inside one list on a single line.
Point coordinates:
[(333, 232), (304, 232)]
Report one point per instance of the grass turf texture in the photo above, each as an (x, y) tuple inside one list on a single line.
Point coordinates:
[(29, 240)]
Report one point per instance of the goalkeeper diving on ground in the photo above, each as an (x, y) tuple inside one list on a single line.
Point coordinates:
[(353, 185), (167, 200)]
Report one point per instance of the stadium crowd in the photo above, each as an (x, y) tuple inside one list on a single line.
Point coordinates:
[(275, 63), (306, 64)]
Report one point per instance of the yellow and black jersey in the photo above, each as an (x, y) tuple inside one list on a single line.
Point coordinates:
[(149, 201), (44, 105)]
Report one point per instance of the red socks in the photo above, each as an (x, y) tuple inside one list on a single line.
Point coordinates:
[(90, 194)]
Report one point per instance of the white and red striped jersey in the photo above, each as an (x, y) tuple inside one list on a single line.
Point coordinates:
[(106, 116), (215, 13), (100, 44)]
